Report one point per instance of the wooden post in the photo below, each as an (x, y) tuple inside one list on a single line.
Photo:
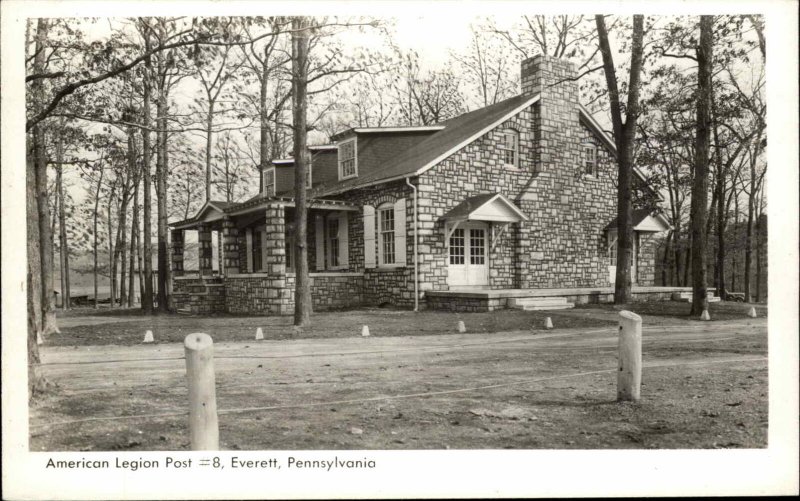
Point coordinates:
[(629, 376), (203, 425)]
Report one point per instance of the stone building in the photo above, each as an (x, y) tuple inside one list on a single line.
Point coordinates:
[(506, 206)]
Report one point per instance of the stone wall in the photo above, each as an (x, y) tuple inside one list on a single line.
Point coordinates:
[(260, 294)]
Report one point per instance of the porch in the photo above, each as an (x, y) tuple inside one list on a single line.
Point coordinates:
[(478, 300), (256, 256)]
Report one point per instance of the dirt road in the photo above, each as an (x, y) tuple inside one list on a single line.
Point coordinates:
[(704, 385)]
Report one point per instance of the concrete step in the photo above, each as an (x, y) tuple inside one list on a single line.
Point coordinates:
[(539, 303), (686, 297), (552, 307)]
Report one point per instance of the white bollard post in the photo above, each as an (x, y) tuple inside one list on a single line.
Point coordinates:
[(629, 376), (548, 324), (259, 334), (705, 315), (39, 339), (203, 424), (148, 337), (752, 313), (461, 327), (365, 331)]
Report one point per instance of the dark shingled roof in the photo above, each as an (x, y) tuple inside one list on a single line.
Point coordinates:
[(637, 216), (463, 209), (429, 149)]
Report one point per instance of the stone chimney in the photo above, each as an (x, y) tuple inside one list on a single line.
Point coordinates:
[(555, 121)]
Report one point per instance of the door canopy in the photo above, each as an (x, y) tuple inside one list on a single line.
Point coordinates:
[(642, 221), (490, 207)]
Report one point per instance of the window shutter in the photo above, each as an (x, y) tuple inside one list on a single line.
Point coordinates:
[(344, 241), (369, 236), (249, 247), (319, 224), (400, 232)]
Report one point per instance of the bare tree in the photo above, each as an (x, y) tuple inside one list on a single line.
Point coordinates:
[(705, 56), (624, 134), (301, 31)]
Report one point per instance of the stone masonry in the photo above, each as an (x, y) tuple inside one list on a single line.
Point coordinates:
[(230, 239), (204, 250)]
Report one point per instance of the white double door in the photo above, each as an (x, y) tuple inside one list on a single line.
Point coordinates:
[(468, 255)]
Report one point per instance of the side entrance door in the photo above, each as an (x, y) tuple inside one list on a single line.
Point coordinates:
[(468, 256), (612, 259)]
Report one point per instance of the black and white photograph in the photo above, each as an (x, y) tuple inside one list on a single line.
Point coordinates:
[(400, 250)]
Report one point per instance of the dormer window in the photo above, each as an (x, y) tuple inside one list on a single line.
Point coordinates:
[(589, 158), (348, 164), (269, 182), (509, 148)]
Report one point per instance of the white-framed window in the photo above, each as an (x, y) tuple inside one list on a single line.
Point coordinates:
[(589, 158), (509, 147), (348, 161), (386, 230), (269, 181), (333, 242), (477, 246), (612, 252)]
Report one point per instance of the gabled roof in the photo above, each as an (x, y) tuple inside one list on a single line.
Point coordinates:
[(457, 133), (212, 210), (486, 207), (645, 221)]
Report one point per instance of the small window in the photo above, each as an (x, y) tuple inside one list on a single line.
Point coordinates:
[(386, 231), (589, 158), (509, 147), (333, 243), (347, 160), (269, 182), (612, 253)]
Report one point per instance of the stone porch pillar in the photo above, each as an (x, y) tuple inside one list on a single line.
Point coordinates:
[(230, 243), (176, 237), (204, 250), (275, 244)]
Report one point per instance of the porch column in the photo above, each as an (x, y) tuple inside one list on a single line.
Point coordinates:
[(230, 242), (275, 240), (278, 293), (204, 250), (176, 237)]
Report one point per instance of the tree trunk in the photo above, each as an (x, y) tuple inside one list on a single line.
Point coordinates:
[(700, 181), (95, 216), (34, 278), (748, 248), (134, 226), (161, 193), (624, 134), (147, 297), (41, 211), (263, 112), (62, 233), (209, 125), (719, 268), (111, 269), (302, 298)]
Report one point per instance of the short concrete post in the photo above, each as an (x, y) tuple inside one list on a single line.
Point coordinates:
[(629, 376), (203, 425), (39, 339), (365, 331), (752, 312), (705, 315), (461, 327), (259, 334), (148, 337), (548, 324)]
